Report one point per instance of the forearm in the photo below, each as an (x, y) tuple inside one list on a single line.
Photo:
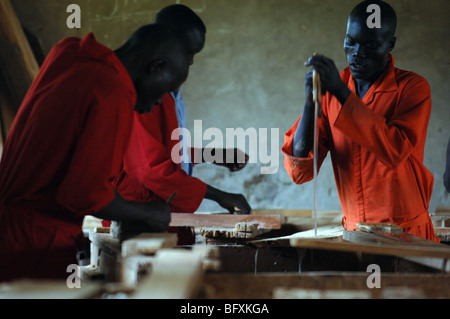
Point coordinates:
[(212, 193), (198, 155), (304, 135)]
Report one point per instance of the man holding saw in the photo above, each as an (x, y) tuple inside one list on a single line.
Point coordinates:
[(374, 123)]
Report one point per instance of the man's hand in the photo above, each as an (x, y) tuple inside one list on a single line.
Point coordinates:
[(234, 159), (145, 217), (157, 218), (231, 202), (329, 77)]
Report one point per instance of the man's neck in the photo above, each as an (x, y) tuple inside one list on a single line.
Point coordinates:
[(362, 86)]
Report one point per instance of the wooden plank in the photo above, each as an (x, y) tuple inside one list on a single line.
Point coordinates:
[(148, 244), (327, 231), (443, 233), (175, 274), (214, 232), (48, 289), (263, 286), (11, 29), (297, 293), (224, 220), (442, 210), (283, 212), (399, 249)]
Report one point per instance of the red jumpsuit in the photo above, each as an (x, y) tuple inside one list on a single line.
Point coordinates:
[(149, 172), (63, 152), (377, 148)]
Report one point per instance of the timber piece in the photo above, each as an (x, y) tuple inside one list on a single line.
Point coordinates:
[(283, 212), (215, 232), (380, 228), (419, 248), (148, 244), (11, 29), (175, 274), (442, 210), (106, 259), (246, 227), (438, 264), (387, 293), (443, 233), (323, 232), (296, 293), (133, 268), (441, 218), (91, 222), (263, 286), (224, 220), (49, 289)]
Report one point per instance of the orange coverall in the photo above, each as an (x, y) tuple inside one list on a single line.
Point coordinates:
[(377, 148)]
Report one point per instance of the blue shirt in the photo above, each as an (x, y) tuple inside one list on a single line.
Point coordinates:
[(180, 108)]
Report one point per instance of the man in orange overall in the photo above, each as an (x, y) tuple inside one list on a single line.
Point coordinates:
[(374, 124)]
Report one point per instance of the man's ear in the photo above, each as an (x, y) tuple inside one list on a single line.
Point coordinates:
[(157, 65), (392, 43)]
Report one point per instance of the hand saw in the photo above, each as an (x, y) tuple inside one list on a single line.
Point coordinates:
[(391, 231), (317, 97)]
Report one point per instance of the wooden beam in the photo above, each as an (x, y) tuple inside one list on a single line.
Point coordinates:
[(263, 286), (148, 244), (224, 220), (423, 249), (11, 29), (175, 274), (323, 232), (283, 212)]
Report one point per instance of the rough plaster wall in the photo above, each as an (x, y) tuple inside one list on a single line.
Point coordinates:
[(250, 74)]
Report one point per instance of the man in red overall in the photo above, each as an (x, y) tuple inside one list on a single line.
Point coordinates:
[(149, 171), (66, 147)]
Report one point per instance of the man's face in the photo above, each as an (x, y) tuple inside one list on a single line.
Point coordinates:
[(195, 41), (159, 77), (366, 49)]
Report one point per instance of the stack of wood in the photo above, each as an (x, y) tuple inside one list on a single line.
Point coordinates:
[(240, 230), (441, 224)]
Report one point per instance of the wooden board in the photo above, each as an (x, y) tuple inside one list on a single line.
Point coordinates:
[(214, 232), (148, 244), (283, 212), (11, 29), (443, 233), (48, 289), (175, 274), (263, 286), (224, 220), (431, 249), (323, 232)]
